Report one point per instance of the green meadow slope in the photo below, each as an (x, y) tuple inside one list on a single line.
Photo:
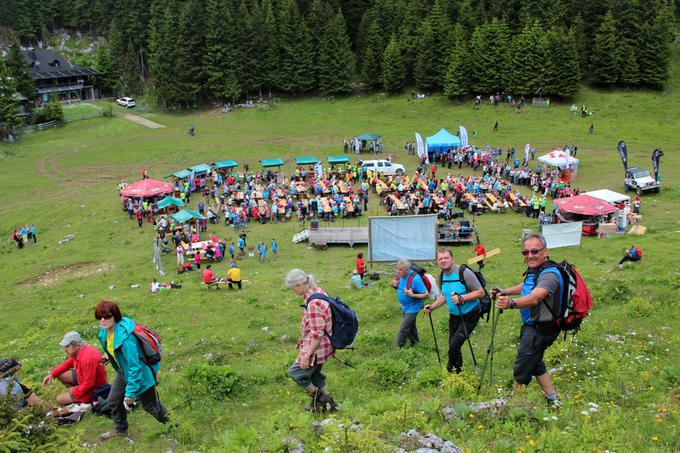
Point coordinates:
[(223, 374)]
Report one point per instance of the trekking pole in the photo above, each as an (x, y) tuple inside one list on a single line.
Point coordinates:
[(467, 335), (436, 346), (489, 351), (344, 362)]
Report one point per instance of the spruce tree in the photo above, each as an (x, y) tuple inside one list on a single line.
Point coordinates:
[(627, 24), (106, 79), (605, 59), (296, 56), (441, 28), (489, 51), (527, 60), (561, 68), (131, 82), (654, 50), (393, 67), (247, 53), (16, 66), (163, 53), (425, 72), (336, 60), (8, 105), (255, 48), (456, 82), (220, 56), (371, 59), (270, 51), (189, 69)]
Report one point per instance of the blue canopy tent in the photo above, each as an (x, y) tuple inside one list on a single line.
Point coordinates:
[(170, 201), (338, 160), (225, 164), (200, 168), (185, 215), (181, 174), (441, 141), (307, 160), (266, 163)]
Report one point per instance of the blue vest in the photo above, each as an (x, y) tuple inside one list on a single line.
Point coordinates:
[(453, 283)]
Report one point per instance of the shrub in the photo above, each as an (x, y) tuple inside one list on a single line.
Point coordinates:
[(210, 380), (387, 372), (429, 377), (51, 111)]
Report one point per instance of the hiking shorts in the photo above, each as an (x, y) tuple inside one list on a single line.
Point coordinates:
[(529, 360), (306, 376)]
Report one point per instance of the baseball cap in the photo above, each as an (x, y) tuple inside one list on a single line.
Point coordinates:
[(8, 367), (70, 338)]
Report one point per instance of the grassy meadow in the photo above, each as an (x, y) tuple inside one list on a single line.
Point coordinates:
[(223, 373)]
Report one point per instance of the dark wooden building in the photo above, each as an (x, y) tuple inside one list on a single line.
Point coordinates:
[(55, 76)]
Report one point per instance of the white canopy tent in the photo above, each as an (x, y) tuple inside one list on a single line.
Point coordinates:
[(557, 158), (609, 196)]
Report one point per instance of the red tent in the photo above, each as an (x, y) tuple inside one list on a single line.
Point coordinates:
[(147, 188), (584, 205)]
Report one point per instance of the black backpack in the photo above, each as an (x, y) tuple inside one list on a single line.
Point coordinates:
[(484, 301), (345, 321)]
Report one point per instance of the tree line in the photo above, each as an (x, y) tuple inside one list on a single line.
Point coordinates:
[(185, 52)]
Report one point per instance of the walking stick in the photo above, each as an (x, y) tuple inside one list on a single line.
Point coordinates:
[(467, 335), (489, 351), (436, 346)]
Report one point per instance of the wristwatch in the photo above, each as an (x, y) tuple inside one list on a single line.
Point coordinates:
[(513, 304)]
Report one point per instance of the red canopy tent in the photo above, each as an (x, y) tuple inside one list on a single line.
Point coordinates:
[(147, 188), (584, 205)]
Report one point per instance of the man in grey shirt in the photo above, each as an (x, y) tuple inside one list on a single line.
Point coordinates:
[(540, 297)]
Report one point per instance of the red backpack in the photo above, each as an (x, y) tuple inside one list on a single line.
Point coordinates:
[(576, 298), (150, 343), (420, 271), (638, 252)]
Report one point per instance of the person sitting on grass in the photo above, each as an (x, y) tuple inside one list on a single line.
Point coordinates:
[(633, 254), (80, 373), (356, 281), (12, 387)]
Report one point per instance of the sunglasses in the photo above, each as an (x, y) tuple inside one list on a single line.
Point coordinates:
[(532, 251), (105, 317)]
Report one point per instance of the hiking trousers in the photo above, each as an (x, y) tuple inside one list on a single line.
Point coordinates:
[(458, 326), (408, 330), (149, 399)]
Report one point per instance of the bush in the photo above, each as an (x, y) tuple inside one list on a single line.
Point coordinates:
[(387, 372), (51, 111), (29, 430), (209, 380)]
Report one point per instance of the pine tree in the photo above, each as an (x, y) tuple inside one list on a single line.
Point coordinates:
[(247, 54), (393, 67), (456, 82), (220, 56), (117, 48), (163, 52), (16, 66), (336, 60), (425, 72), (605, 59), (654, 44), (371, 59), (296, 57), (561, 69), (626, 19), (258, 42), (441, 28), (8, 105), (106, 79), (489, 50), (189, 69), (270, 51), (527, 59), (131, 77), (467, 18)]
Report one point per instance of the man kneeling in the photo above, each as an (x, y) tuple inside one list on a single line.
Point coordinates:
[(81, 372)]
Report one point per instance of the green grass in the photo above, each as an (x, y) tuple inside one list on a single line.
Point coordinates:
[(625, 360)]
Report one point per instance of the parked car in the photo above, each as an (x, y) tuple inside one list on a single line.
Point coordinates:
[(383, 166), (639, 180), (126, 102)]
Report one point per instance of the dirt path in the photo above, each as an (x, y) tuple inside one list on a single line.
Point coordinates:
[(143, 121)]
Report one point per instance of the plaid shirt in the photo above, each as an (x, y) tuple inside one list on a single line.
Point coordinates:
[(316, 321)]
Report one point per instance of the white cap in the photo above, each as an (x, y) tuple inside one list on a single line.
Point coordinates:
[(71, 337)]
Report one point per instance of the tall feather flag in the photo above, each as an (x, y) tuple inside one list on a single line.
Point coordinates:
[(463, 135), (623, 152), (657, 154)]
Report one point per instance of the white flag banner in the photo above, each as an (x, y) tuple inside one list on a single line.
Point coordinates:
[(567, 152), (526, 152), (420, 147), (318, 170), (463, 135)]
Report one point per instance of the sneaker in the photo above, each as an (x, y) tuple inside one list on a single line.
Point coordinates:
[(111, 434), (620, 266)]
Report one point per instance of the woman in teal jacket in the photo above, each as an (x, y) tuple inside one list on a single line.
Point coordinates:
[(134, 378)]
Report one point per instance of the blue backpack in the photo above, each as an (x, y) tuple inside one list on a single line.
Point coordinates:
[(345, 321)]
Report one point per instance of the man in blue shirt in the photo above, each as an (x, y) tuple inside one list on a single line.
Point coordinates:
[(540, 296), (461, 293), (411, 291), (275, 249)]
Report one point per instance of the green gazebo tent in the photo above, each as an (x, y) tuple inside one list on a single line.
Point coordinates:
[(307, 160), (225, 164), (170, 201), (185, 215), (333, 160)]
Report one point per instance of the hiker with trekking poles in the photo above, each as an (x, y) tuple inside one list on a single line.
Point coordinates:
[(461, 290), (539, 302), (411, 291)]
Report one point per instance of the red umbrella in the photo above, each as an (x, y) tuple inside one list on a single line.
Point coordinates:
[(147, 188), (585, 205)]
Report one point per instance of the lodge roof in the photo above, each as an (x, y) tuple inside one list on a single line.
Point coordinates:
[(46, 64)]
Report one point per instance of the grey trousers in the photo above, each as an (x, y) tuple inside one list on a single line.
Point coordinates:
[(408, 330), (149, 400)]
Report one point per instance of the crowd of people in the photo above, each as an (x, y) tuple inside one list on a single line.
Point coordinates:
[(25, 235)]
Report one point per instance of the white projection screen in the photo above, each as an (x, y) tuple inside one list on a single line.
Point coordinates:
[(562, 234), (413, 237)]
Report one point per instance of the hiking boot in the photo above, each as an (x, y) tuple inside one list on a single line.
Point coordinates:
[(553, 404), (111, 434), (315, 406), (327, 400)]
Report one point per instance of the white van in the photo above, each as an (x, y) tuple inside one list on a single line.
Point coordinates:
[(384, 167)]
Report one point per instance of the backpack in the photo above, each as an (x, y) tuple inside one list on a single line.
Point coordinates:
[(576, 300), (345, 321), (484, 301), (150, 344), (423, 275), (638, 252)]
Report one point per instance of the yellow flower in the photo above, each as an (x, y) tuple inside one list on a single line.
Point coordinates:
[(532, 442), (654, 438)]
